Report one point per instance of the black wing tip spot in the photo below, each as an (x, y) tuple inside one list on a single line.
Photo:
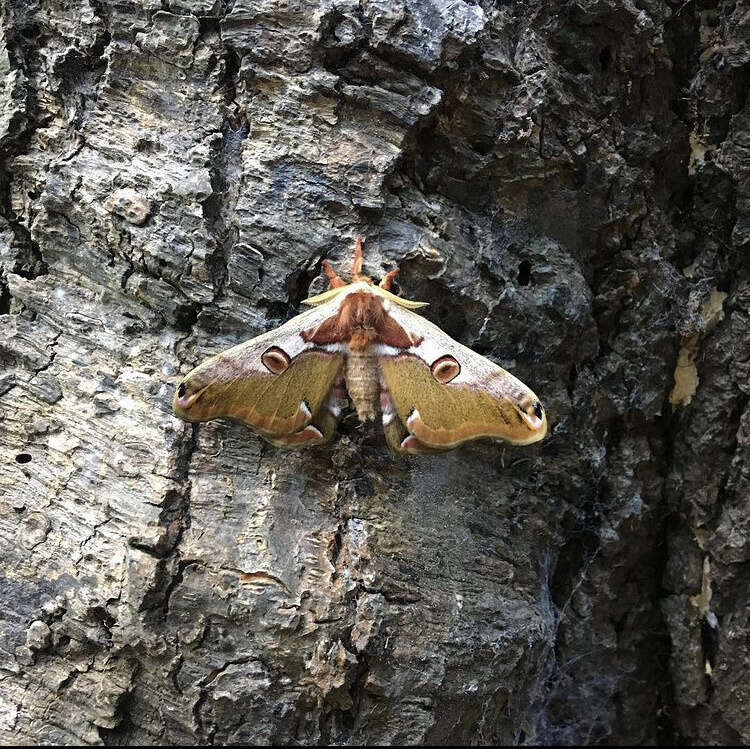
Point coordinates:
[(181, 390), (538, 410)]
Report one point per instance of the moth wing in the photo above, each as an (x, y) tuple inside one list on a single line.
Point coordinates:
[(277, 383), (444, 393)]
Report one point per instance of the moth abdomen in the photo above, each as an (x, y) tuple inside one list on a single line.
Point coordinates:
[(363, 382)]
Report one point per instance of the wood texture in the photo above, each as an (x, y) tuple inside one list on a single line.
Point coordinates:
[(567, 184)]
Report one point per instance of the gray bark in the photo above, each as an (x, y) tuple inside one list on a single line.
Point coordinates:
[(566, 183)]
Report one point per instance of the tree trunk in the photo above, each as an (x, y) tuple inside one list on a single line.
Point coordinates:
[(567, 184)]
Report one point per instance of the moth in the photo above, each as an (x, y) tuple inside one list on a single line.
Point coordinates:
[(362, 341)]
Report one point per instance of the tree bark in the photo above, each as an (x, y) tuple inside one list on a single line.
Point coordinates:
[(566, 183)]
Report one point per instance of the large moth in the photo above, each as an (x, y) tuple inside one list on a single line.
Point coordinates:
[(359, 339)]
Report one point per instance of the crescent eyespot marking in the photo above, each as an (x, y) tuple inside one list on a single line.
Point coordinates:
[(275, 360)]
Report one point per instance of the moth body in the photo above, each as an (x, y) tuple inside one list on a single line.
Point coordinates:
[(432, 393), (363, 382)]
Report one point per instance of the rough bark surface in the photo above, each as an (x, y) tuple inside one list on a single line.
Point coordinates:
[(567, 184)]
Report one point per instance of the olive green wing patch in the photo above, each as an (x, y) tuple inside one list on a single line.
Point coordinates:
[(442, 415)]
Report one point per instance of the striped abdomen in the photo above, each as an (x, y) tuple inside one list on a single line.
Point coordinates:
[(363, 382)]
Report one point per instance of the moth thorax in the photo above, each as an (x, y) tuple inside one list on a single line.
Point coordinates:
[(363, 383)]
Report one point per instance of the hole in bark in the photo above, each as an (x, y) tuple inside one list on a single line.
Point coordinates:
[(298, 284), (364, 487), (4, 299), (709, 641), (104, 616), (72, 70), (334, 548), (277, 311), (444, 312), (349, 719), (208, 25), (524, 273), (30, 31), (23, 458), (144, 145), (483, 146), (605, 59), (186, 316)]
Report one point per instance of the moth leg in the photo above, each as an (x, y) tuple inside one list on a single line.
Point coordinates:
[(326, 423), (394, 435), (337, 398), (393, 429)]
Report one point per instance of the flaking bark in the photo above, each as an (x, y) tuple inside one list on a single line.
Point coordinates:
[(565, 182)]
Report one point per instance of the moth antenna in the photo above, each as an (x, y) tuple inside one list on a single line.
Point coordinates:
[(387, 281), (357, 264), (333, 279)]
